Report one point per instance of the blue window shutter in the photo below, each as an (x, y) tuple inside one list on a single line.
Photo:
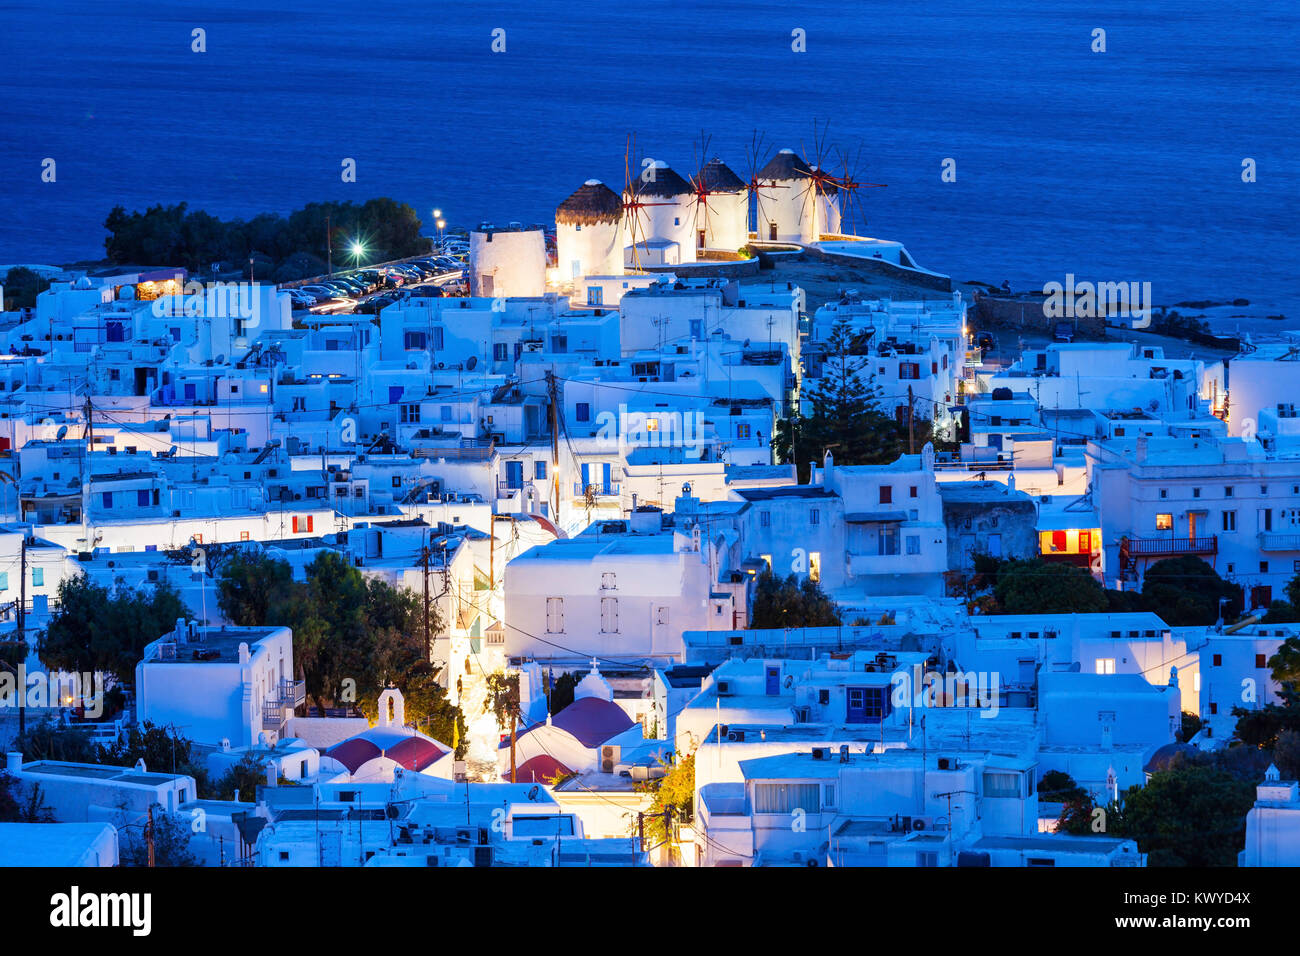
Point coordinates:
[(605, 476), (38, 577), (108, 499), (394, 394), (586, 476), (4, 580)]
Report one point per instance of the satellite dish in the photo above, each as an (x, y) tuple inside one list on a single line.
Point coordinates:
[(63, 430), (221, 359), (470, 363)]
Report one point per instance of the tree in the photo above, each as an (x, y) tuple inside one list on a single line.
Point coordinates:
[(1059, 787), (171, 842), (243, 778), (1286, 754), (1185, 592), (562, 691), (674, 793), (163, 750), (95, 629), (22, 286), (788, 602), (1188, 815), (1047, 587), (503, 703), (19, 807), (251, 585), (846, 418), (1191, 726), (49, 739)]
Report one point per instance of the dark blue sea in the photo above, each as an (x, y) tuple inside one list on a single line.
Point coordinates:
[(1116, 166)]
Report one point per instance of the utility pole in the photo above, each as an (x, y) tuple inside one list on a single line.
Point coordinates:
[(555, 448), (329, 244), (22, 634), (148, 836), (424, 564), (89, 437)]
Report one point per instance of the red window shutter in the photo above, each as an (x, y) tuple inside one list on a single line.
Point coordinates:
[(295, 524), (1059, 541), (1085, 542), (309, 517)]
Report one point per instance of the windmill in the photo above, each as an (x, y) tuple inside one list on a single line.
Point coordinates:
[(632, 202), (756, 185), (852, 211), (822, 184), (719, 202)]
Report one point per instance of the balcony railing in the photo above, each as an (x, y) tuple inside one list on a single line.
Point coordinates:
[(293, 693), (272, 714), (1278, 541), (1167, 547), (600, 491)]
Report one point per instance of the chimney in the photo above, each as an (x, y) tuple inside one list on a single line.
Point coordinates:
[(13, 762)]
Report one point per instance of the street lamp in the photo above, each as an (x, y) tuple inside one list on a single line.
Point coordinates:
[(358, 250)]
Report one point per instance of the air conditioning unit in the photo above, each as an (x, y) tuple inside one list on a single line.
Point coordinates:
[(945, 763), (609, 755), (922, 823), (724, 688), (819, 753), (903, 824), (736, 736)]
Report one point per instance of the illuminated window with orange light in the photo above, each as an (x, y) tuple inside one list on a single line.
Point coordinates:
[(1164, 522)]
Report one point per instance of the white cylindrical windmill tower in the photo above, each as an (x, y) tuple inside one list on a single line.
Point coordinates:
[(659, 228), (784, 199), (721, 208), (826, 210), (589, 233)]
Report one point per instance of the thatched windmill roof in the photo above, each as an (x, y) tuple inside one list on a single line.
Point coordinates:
[(784, 167), (593, 203), (716, 177), (666, 184)]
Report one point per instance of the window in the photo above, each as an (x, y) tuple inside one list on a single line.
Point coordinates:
[(414, 341), (888, 540), (828, 795), (1263, 567), (1214, 707), (913, 544), (742, 430), (1040, 861), (1196, 492), (583, 412), (1227, 492), (765, 519), (437, 336), (814, 516), (912, 492), (555, 615), (787, 797), (4, 580), (1260, 660), (410, 414), (38, 577), (142, 498), (539, 470), (397, 481), (1164, 522), (108, 499), (886, 494), (927, 858), (609, 615), (1164, 492), (1218, 660), (444, 413), (815, 565), (1105, 665), (867, 705), (1000, 784), (608, 581), (500, 352), (1230, 521)]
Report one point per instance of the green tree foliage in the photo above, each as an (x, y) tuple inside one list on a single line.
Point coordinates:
[(19, 804), (1047, 587), (562, 691), (789, 602), (177, 236), (243, 778), (171, 843), (1260, 727), (1191, 726), (673, 792), (163, 750), (1286, 754), (846, 418), (49, 739), (95, 629), (1059, 787), (346, 628), (1185, 591), (1188, 815), (502, 698), (21, 287)]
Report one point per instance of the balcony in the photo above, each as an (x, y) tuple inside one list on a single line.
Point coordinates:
[(1278, 541), (600, 491), (272, 715), (1131, 550), (293, 693)]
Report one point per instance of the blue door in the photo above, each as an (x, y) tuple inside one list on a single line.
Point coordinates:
[(514, 474), (586, 478), (606, 488), (773, 681), (190, 393), (856, 711)]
